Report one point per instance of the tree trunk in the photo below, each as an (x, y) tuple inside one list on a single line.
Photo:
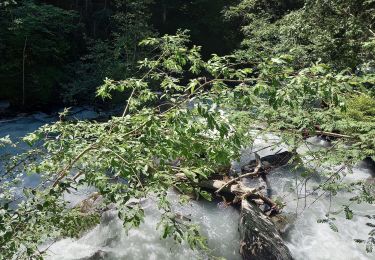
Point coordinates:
[(23, 71), (259, 238), (164, 12)]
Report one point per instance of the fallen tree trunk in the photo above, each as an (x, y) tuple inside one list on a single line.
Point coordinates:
[(260, 239)]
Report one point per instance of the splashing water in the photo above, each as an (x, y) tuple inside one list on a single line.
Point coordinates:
[(110, 241), (306, 238)]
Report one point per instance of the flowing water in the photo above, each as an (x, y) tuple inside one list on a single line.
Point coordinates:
[(306, 238), (110, 239)]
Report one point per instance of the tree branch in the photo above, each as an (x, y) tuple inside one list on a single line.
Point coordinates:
[(250, 174), (63, 173)]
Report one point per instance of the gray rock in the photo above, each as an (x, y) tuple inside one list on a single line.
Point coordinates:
[(81, 113), (43, 117), (283, 222), (270, 161), (99, 255), (369, 163)]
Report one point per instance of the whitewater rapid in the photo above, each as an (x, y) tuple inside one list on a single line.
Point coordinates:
[(306, 238)]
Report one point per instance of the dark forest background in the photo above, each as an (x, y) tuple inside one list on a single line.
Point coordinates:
[(57, 52)]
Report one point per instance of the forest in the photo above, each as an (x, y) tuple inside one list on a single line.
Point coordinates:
[(210, 116)]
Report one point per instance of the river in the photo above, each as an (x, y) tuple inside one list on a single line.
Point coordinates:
[(306, 238)]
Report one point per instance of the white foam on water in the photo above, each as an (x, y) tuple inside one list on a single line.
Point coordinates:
[(311, 240), (218, 225), (307, 239)]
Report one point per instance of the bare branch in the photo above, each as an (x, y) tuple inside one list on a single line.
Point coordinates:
[(255, 173)]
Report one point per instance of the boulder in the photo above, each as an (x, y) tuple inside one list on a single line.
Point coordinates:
[(270, 161), (81, 113), (99, 255)]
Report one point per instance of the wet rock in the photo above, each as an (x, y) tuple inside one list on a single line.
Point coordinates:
[(108, 216), (369, 163), (283, 222), (91, 204), (99, 255), (81, 113), (43, 117), (270, 161)]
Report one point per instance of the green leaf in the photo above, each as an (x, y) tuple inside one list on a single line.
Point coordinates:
[(333, 226), (206, 195), (348, 212)]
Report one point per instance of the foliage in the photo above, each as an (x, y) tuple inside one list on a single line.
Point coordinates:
[(195, 120), (339, 33), (40, 35), (130, 22), (115, 57), (361, 108), (185, 114), (203, 18), (127, 157)]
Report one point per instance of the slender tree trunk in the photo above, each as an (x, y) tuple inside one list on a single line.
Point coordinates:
[(164, 12), (94, 29), (23, 71)]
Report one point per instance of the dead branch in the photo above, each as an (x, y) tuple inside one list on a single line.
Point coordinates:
[(236, 189), (255, 173), (333, 134)]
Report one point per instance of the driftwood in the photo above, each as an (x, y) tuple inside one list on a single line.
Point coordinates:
[(237, 189), (259, 236), (254, 173), (239, 192), (325, 134), (260, 239), (330, 134)]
